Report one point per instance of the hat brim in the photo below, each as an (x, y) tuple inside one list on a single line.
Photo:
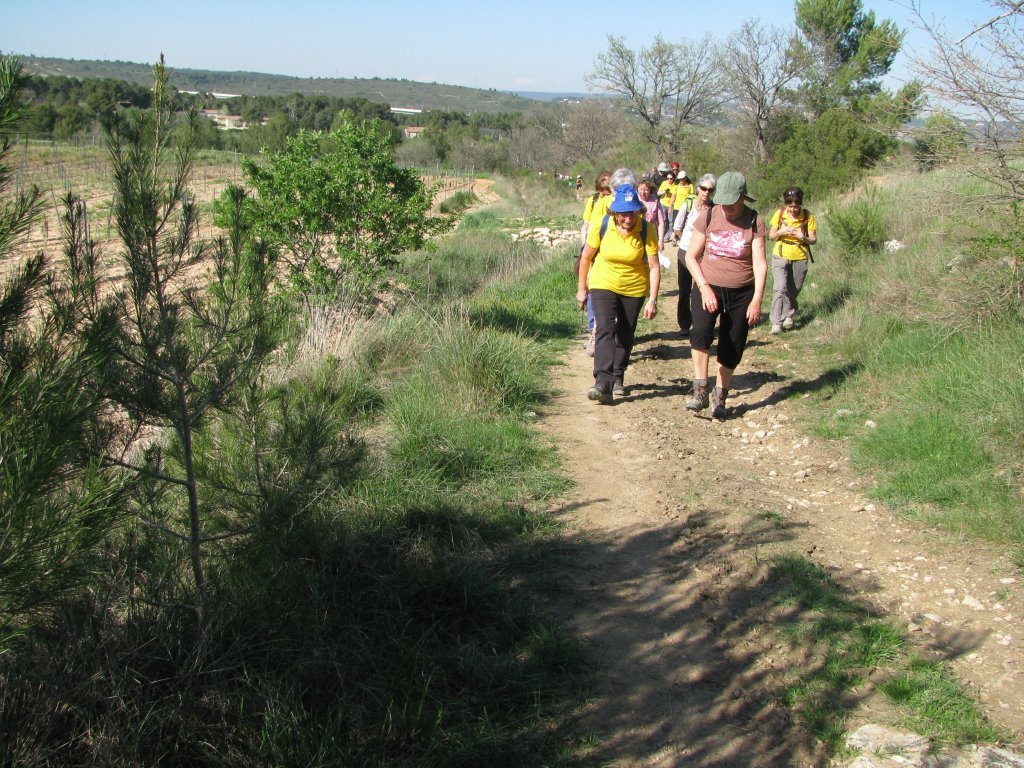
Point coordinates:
[(721, 199), (624, 207)]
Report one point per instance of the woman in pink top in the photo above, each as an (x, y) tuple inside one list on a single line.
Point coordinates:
[(726, 258), (647, 191)]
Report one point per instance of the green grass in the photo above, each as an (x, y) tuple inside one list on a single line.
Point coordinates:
[(848, 644), (388, 610), (938, 705), (458, 202), (932, 355)]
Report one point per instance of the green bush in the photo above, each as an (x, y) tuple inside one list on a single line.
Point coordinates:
[(825, 156), (458, 202), (860, 228)]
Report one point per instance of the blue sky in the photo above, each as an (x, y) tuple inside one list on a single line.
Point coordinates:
[(527, 45)]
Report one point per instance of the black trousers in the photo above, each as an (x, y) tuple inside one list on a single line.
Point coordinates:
[(683, 315), (616, 317)]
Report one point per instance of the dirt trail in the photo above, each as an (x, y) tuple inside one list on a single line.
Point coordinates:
[(677, 515)]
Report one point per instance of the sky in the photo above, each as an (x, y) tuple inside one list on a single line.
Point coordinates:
[(524, 45)]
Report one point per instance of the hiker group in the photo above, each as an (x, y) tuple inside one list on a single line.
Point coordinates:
[(629, 224)]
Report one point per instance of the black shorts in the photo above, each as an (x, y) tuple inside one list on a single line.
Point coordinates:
[(732, 333)]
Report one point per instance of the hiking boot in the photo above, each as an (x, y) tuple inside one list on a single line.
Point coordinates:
[(589, 346), (776, 328), (602, 396), (618, 389), (699, 400), (718, 403), (788, 323)]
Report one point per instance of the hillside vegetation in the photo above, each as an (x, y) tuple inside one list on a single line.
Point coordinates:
[(923, 338), (275, 497), (397, 93)]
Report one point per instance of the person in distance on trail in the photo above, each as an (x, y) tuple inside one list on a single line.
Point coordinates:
[(794, 231), (726, 258), (596, 203), (617, 283), (647, 190), (666, 193), (682, 230), (684, 187)]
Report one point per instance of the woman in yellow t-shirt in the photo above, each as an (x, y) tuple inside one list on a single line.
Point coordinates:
[(794, 231), (617, 283), (684, 189), (596, 205)]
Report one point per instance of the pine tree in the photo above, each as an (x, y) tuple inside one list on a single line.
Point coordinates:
[(194, 323), (57, 501)]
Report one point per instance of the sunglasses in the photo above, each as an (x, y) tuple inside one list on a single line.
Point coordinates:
[(706, 189)]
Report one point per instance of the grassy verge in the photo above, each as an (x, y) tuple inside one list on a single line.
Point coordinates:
[(397, 618), (929, 345), (854, 653)]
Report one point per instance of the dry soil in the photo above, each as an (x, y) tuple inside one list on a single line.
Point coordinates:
[(679, 516)]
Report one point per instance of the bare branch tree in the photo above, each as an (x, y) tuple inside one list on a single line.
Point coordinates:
[(668, 85), (981, 78), (760, 66), (591, 128)]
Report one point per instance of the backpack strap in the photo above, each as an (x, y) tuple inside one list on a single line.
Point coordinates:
[(689, 210), (805, 216)]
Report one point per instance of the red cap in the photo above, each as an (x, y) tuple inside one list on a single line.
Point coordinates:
[(675, 166)]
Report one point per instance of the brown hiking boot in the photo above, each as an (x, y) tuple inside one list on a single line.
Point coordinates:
[(718, 403), (699, 400)]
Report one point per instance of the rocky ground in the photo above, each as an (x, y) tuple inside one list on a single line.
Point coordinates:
[(678, 516)]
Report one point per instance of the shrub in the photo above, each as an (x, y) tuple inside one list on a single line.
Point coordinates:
[(860, 228), (827, 155), (458, 202)]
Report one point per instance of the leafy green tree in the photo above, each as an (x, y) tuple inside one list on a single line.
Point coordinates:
[(844, 52), (39, 120), (72, 121), (57, 503), (829, 154), (941, 139), (339, 209)]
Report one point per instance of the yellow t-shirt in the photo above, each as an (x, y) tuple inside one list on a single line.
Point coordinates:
[(621, 263), (683, 191), (599, 209), (788, 247), (665, 191), (596, 208)]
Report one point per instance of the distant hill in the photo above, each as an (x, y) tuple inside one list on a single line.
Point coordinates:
[(396, 93)]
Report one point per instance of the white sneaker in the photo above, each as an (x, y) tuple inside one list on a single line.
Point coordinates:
[(788, 323), (776, 328)]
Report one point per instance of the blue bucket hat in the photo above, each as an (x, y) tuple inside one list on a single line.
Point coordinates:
[(626, 200)]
